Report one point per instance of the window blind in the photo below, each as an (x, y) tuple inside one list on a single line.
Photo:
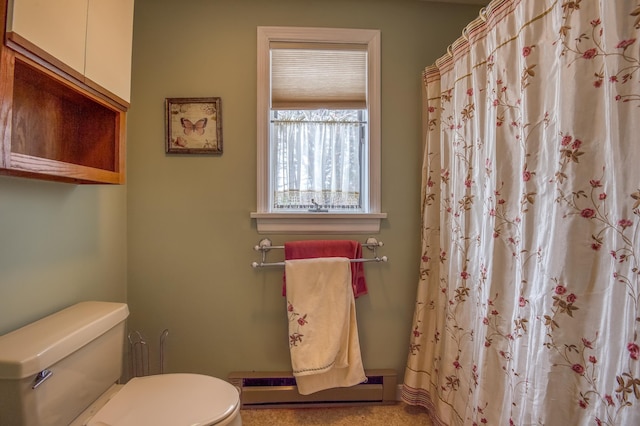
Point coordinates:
[(317, 75)]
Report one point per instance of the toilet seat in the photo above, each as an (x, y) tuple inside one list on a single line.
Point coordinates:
[(170, 399)]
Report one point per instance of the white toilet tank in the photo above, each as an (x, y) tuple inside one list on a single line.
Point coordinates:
[(52, 369)]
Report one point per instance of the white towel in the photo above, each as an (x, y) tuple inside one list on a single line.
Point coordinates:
[(323, 332)]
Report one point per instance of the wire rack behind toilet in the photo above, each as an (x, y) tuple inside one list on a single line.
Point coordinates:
[(139, 354)]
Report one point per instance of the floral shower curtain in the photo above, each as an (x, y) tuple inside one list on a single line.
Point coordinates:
[(528, 304)]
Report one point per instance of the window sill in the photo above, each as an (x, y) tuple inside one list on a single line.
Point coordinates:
[(318, 223)]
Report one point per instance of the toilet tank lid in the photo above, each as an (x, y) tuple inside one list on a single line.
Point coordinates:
[(37, 346)]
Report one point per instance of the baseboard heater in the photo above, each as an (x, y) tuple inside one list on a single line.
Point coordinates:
[(261, 389)]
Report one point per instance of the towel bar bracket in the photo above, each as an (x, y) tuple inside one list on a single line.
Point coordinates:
[(372, 243), (263, 245)]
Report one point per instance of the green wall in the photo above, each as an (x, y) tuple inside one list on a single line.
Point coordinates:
[(176, 241), (190, 235), (59, 244)]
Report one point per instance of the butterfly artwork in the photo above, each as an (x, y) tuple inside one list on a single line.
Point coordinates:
[(196, 128), (193, 126)]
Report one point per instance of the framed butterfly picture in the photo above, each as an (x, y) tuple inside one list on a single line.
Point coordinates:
[(194, 126)]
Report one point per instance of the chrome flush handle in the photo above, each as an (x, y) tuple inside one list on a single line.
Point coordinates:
[(41, 377)]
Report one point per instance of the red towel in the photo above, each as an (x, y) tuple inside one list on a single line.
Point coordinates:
[(329, 248)]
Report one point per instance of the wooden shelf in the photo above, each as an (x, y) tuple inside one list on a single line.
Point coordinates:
[(57, 130)]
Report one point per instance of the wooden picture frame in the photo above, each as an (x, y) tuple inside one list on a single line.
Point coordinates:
[(193, 126)]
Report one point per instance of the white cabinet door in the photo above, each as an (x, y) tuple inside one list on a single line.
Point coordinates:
[(57, 27), (109, 38)]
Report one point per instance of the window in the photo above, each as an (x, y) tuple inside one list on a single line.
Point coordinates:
[(318, 119)]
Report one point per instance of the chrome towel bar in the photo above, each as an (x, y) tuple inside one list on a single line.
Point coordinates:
[(265, 245)]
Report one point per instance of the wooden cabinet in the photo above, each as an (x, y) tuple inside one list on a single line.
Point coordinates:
[(90, 39), (108, 52), (62, 120), (57, 28)]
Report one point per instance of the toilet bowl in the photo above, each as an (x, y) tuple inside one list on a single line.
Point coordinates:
[(64, 370)]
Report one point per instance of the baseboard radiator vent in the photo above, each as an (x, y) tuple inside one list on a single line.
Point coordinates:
[(260, 389)]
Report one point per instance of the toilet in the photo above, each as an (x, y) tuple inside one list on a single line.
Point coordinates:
[(64, 370)]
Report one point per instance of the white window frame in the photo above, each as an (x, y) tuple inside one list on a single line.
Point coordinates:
[(314, 222)]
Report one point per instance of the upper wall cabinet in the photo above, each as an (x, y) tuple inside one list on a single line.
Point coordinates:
[(65, 77), (57, 28), (88, 39), (109, 36)]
